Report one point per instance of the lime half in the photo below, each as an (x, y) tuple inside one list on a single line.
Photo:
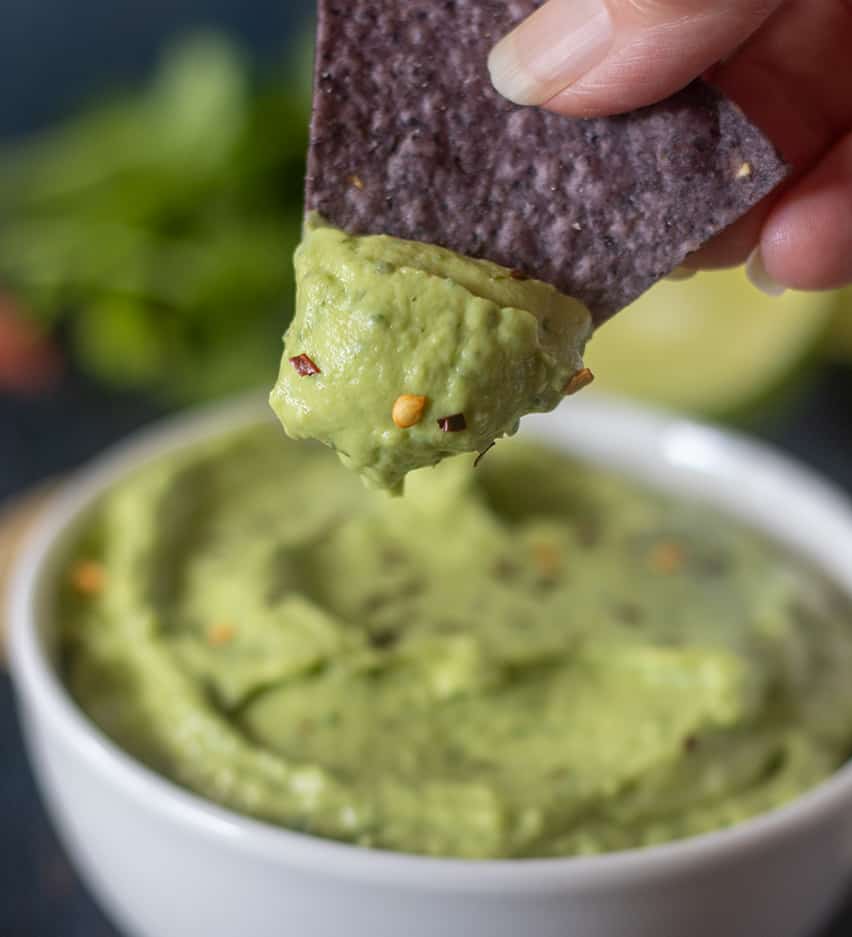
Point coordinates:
[(712, 345)]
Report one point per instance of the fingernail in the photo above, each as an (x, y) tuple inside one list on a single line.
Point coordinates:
[(757, 274), (681, 273), (550, 50)]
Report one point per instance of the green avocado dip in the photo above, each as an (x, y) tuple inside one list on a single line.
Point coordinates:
[(529, 659), (470, 347)]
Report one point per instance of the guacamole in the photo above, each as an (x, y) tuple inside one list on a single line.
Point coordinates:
[(527, 659), (401, 353)]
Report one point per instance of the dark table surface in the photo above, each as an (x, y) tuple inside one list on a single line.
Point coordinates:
[(52, 54)]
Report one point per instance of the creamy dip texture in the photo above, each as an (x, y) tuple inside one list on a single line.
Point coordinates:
[(470, 347), (527, 659)]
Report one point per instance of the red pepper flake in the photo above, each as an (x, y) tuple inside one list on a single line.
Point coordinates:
[(408, 410), (456, 423), (304, 365), (547, 559), (578, 381), (667, 557), (88, 577), (221, 633), (518, 275)]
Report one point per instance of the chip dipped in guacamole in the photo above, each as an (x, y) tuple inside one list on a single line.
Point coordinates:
[(400, 354), (460, 249)]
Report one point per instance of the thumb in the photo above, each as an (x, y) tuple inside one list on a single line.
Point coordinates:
[(586, 58)]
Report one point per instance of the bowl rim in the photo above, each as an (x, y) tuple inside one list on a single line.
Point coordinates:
[(37, 684)]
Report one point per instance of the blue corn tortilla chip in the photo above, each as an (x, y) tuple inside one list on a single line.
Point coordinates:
[(409, 138)]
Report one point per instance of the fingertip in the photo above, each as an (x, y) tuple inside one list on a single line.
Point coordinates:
[(733, 246), (653, 50), (806, 242), (509, 76), (550, 50), (760, 277)]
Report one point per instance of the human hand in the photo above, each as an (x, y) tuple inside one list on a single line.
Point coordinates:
[(787, 63)]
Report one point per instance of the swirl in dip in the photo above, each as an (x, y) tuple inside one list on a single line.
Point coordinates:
[(529, 659)]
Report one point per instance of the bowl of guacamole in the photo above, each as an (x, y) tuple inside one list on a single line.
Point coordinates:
[(598, 681)]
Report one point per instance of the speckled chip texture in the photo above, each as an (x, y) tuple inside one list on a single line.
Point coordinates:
[(409, 138)]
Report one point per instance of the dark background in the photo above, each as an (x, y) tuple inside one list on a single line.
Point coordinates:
[(53, 55)]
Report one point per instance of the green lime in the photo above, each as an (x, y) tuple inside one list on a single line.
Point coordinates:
[(712, 345)]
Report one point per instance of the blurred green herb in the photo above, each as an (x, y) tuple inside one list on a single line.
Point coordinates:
[(158, 227)]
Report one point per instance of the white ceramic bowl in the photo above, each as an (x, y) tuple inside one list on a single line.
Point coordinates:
[(165, 863)]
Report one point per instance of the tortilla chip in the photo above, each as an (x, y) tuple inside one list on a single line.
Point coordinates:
[(409, 138)]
